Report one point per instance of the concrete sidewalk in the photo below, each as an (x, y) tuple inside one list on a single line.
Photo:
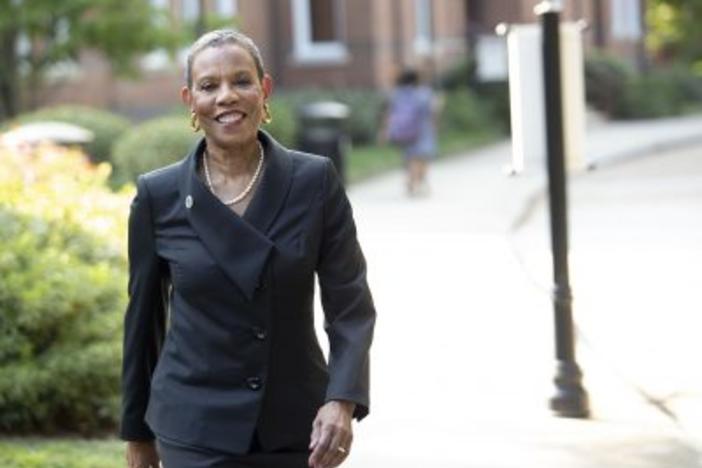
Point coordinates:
[(463, 357)]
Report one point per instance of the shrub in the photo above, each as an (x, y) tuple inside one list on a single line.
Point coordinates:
[(62, 294), (616, 89), (465, 112), (493, 95), (153, 144), (106, 127), (606, 81), (460, 75), (648, 96), (688, 82), (283, 127)]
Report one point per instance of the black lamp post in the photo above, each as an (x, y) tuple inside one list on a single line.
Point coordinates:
[(571, 398)]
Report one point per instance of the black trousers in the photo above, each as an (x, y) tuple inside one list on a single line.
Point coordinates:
[(175, 455)]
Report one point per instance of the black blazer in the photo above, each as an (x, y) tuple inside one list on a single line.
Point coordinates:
[(219, 339)]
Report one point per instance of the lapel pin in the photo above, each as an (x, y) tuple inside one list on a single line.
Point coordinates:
[(188, 202)]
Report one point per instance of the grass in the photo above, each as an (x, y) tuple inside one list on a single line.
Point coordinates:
[(368, 161), (38, 452)]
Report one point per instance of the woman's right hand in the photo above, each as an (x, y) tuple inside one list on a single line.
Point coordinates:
[(142, 454)]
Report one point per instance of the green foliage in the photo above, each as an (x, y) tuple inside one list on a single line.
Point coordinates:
[(57, 31), (616, 89), (674, 29), (465, 112), (283, 126), (153, 144), (495, 95), (606, 81), (660, 93), (106, 126), (492, 95), (61, 453), (62, 295), (459, 76)]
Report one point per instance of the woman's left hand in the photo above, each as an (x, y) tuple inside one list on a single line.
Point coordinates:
[(331, 434)]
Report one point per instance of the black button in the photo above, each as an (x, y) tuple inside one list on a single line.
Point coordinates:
[(254, 383), (259, 333)]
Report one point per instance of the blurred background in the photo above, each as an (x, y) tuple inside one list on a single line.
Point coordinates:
[(89, 99)]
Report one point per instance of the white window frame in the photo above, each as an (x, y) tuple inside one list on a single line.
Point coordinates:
[(305, 50), (626, 19), (423, 27)]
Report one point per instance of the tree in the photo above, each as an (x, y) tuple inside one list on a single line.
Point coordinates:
[(36, 34), (674, 29)]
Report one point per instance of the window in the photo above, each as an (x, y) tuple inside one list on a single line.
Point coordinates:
[(491, 58), (423, 29), (189, 10), (626, 19), (227, 8), (317, 31)]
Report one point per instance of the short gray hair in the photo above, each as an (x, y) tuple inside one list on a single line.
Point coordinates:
[(218, 38)]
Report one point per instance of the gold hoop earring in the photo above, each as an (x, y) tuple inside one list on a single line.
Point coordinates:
[(267, 117), (194, 122)]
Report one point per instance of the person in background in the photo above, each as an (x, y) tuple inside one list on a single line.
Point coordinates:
[(222, 367), (410, 124)]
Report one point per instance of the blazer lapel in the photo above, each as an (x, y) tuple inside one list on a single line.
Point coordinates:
[(238, 247), (274, 186)]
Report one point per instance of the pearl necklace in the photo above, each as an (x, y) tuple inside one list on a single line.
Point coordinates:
[(248, 188)]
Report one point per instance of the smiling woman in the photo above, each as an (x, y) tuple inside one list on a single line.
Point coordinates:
[(224, 247), (226, 95)]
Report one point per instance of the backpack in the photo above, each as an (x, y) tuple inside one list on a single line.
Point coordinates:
[(405, 117)]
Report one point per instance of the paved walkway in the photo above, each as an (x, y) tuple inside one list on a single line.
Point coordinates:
[(463, 357)]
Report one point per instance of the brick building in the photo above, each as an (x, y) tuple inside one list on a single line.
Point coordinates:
[(616, 26), (340, 43)]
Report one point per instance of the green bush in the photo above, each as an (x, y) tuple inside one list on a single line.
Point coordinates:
[(606, 82), (62, 293), (106, 127), (283, 126), (618, 90), (153, 144), (464, 112), (493, 95), (460, 75), (648, 96)]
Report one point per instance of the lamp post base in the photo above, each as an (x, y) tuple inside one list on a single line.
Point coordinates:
[(571, 400)]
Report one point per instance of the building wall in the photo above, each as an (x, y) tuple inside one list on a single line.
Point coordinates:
[(379, 35), (380, 38), (599, 33), (451, 34), (356, 71)]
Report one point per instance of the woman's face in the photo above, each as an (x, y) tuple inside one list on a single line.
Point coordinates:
[(226, 95)]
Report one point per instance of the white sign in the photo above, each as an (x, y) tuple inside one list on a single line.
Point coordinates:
[(526, 89), (491, 58)]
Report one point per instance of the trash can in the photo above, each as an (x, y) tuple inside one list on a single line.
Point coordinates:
[(322, 131)]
